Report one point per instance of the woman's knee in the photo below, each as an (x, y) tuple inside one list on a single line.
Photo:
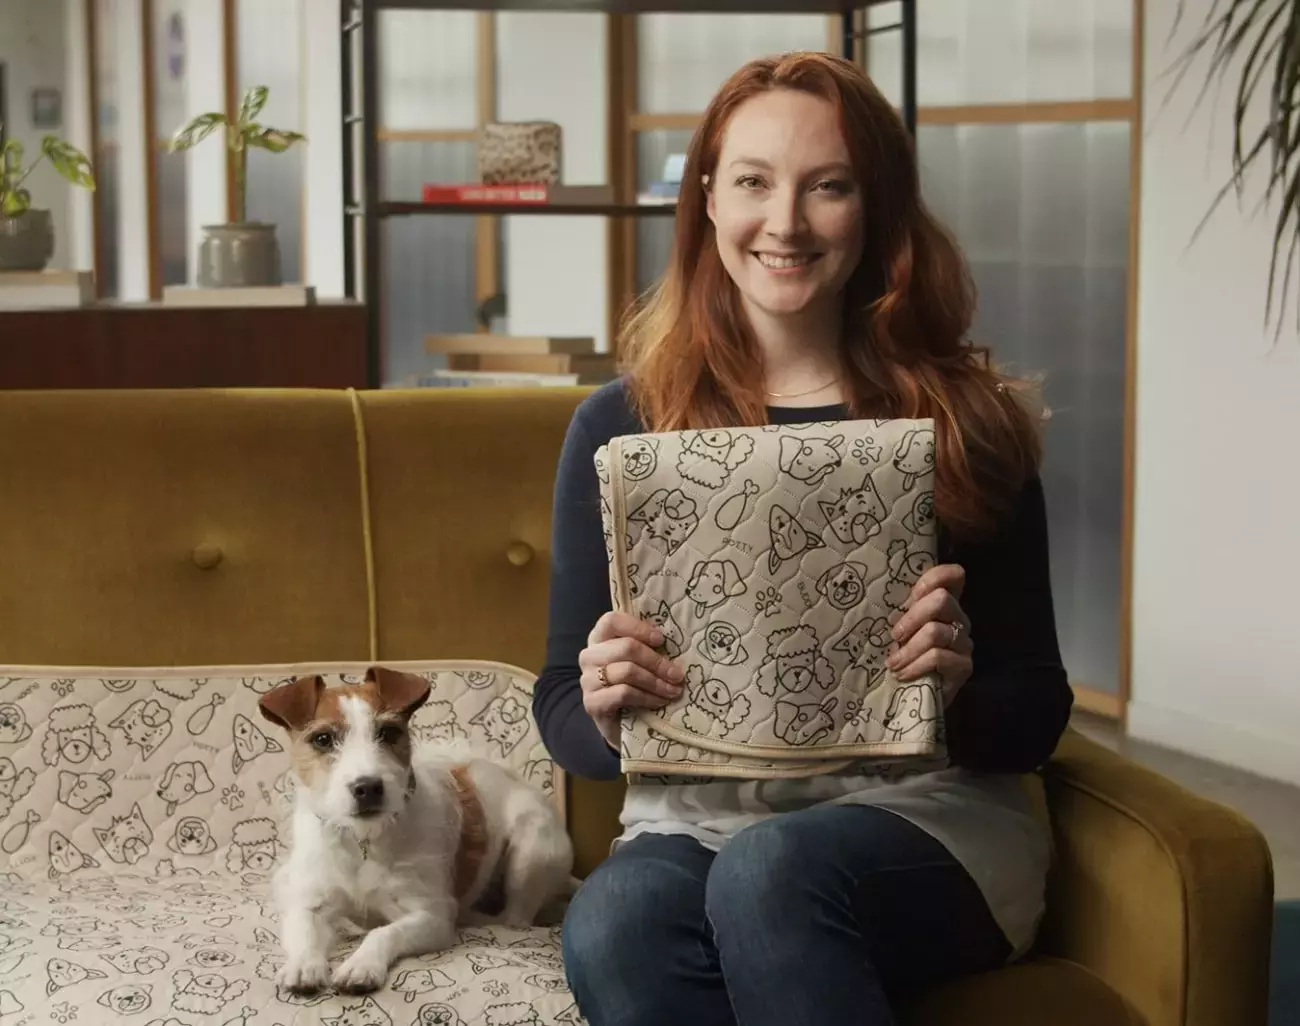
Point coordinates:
[(630, 904), (764, 872)]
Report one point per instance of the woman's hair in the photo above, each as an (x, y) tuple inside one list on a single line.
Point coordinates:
[(692, 358)]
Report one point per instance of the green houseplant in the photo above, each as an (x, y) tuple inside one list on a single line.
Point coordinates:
[(1257, 43), (27, 233), (242, 252)]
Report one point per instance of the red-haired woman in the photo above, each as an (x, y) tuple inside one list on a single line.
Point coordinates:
[(808, 282)]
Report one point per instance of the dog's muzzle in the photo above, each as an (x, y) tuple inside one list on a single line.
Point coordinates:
[(367, 795)]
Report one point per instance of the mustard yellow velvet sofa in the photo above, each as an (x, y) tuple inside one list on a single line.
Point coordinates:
[(165, 528)]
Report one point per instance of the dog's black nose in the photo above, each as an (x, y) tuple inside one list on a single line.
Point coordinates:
[(368, 793)]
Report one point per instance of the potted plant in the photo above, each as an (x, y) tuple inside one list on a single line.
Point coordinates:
[(241, 253), (27, 234)]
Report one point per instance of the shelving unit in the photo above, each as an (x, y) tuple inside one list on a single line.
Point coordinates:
[(362, 202)]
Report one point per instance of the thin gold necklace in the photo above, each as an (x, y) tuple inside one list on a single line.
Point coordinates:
[(796, 395)]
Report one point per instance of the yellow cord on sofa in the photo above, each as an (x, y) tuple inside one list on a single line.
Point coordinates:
[(367, 538)]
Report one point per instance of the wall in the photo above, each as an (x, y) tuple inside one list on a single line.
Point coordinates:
[(32, 50), (1217, 551)]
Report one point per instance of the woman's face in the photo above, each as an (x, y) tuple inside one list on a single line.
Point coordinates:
[(785, 207)]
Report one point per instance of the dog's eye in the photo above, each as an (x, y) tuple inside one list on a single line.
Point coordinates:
[(322, 740), (389, 734)]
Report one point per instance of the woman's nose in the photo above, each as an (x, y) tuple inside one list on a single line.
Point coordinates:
[(785, 217)]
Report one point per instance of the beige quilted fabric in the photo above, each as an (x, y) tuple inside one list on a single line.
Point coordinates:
[(775, 559), (142, 812)]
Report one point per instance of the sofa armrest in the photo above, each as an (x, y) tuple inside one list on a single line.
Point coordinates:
[(1166, 896)]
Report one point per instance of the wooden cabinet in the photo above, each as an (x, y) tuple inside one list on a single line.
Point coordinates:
[(149, 345)]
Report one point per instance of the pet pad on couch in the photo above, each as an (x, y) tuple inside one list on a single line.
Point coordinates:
[(775, 559), (142, 812)]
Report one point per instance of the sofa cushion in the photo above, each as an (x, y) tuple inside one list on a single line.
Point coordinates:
[(142, 812)]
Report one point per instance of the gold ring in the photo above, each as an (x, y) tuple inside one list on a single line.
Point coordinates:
[(956, 633), (604, 681)]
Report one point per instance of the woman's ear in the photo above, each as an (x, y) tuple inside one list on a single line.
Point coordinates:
[(708, 197)]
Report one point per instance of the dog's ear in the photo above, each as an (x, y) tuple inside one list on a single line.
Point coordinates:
[(400, 692), (292, 705)]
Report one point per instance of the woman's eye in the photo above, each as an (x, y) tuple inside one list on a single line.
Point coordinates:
[(323, 740), (749, 182), (837, 187)]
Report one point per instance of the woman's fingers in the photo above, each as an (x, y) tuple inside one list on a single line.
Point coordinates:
[(939, 606), (949, 577), (932, 638), (607, 701), (953, 667), (624, 625), (616, 651), (631, 675)]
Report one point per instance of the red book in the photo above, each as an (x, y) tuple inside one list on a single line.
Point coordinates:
[(524, 195)]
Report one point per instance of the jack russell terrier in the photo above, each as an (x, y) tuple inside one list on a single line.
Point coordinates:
[(397, 842)]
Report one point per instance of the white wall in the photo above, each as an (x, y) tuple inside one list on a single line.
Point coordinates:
[(1216, 603), (32, 49)]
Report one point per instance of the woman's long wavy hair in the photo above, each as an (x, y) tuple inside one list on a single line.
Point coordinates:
[(692, 359)]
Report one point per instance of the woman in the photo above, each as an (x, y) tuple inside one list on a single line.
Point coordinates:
[(808, 283)]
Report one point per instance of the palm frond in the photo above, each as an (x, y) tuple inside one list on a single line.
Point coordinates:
[(1258, 43)]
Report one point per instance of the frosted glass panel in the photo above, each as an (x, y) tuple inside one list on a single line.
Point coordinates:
[(269, 54), (169, 48), (428, 260), (1008, 51), (682, 59), (1042, 214), (427, 69), (654, 235)]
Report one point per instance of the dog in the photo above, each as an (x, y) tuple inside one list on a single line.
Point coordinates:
[(399, 842)]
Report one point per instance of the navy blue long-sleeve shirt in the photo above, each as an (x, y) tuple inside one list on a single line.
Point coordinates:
[(1008, 717)]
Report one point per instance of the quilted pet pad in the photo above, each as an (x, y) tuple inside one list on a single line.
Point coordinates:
[(142, 812), (775, 559)]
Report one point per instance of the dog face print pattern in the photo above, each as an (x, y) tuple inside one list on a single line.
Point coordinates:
[(142, 815), (776, 560)]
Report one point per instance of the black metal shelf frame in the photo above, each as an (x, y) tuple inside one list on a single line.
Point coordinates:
[(364, 208)]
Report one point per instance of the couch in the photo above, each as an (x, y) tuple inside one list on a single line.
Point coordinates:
[(270, 529)]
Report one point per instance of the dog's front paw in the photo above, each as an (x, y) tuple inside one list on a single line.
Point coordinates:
[(364, 970), (304, 975)]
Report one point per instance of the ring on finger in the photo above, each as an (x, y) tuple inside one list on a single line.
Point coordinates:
[(602, 677), (956, 627)]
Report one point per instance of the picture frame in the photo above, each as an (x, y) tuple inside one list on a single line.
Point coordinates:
[(47, 108)]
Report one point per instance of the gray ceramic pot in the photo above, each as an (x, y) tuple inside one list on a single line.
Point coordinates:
[(238, 256), (26, 241)]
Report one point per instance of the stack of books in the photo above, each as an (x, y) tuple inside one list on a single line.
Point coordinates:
[(479, 359)]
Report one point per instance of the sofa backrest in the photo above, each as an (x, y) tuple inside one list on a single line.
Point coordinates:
[(201, 527)]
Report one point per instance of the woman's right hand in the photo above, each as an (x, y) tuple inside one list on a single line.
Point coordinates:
[(634, 674)]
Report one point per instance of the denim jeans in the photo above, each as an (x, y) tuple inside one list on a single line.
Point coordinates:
[(821, 916)]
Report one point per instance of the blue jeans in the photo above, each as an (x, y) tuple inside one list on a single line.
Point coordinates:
[(821, 916)]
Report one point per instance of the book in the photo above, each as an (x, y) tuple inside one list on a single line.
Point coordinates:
[(591, 368), (524, 194), (488, 379), (46, 290), (253, 295), (514, 345)]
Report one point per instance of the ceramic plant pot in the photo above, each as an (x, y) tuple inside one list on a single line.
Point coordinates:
[(239, 256), (26, 241)]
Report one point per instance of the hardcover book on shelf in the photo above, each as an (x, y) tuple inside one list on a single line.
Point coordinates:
[(257, 295), (489, 379), (523, 194), (46, 290), (514, 345), (591, 368)]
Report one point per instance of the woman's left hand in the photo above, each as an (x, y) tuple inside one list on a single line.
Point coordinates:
[(933, 634)]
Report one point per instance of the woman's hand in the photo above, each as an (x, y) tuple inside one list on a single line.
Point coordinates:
[(933, 634), (621, 668)]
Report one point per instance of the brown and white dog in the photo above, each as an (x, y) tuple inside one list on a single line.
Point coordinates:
[(396, 841)]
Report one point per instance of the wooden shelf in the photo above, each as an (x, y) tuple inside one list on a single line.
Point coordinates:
[(393, 208), (638, 6)]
